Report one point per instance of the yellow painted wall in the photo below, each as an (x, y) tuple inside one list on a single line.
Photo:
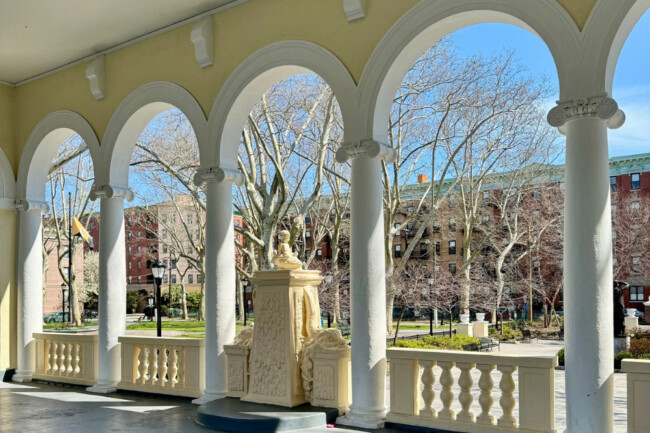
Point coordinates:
[(8, 312), (7, 120), (578, 9)]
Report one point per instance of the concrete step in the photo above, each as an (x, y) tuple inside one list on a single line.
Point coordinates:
[(233, 415)]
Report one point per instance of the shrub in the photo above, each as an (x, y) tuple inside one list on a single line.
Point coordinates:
[(640, 346), (621, 356), (132, 300), (193, 299), (560, 357), (456, 342), (492, 331), (509, 334)]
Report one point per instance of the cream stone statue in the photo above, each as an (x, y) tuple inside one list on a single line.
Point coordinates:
[(285, 258)]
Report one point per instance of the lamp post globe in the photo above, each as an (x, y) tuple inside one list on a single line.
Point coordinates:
[(158, 270)]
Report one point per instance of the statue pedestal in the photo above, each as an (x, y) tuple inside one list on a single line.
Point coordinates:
[(465, 329), (286, 312), (480, 329), (631, 323)]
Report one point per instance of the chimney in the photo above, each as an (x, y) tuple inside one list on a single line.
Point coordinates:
[(422, 178)]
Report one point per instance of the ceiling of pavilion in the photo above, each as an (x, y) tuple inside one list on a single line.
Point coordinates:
[(37, 36)]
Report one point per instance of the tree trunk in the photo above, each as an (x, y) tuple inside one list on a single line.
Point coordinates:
[(399, 320), (74, 292), (240, 298), (390, 302), (183, 302), (200, 314)]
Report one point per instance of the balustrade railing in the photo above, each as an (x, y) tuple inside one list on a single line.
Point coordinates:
[(67, 358), (638, 394), (173, 366), (464, 404)]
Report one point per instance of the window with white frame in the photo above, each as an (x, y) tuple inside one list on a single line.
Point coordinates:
[(319, 252), (130, 279), (308, 235), (397, 231), (398, 251), (129, 266), (190, 278), (452, 247), (636, 264), (452, 268), (635, 181), (635, 206), (636, 293), (613, 183), (139, 279)]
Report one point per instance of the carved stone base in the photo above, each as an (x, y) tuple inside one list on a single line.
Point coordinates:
[(363, 419)]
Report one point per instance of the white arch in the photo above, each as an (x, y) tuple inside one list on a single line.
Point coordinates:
[(41, 147), (130, 119), (254, 76), (430, 21), (7, 179)]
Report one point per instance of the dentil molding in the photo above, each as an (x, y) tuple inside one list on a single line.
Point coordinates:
[(598, 106), (366, 147)]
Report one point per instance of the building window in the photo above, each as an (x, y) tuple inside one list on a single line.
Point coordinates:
[(437, 269), (139, 264), (635, 206), (173, 278), (613, 185), (128, 221), (198, 278), (308, 236), (92, 225), (190, 278), (130, 279), (139, 235), (452, 268), (486, 219), (397, 231), (148, 264), (189, 218), (165, 279), (164, 218), (636, 264), (537, 212), (452, 199), (536, 265), (614, 208), (319, 252), (636, 181), (129, 235), (486, 195), (452, 225), (165, 250), (437, 248), (398, 251), (636, 294), (164, 233), (537, 195), (139, 249), (130, 251), (452, 248), (424, 249), (139, 279), (409, 209)]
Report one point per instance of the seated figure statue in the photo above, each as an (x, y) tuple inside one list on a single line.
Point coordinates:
[(285, 258)]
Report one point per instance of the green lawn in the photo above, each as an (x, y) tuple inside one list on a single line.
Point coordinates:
[(61, 327), (177, 325), (421, 326)]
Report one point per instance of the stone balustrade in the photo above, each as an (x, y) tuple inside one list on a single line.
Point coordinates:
[(638, 394), (67, 358), (413, 398), (172, 366)]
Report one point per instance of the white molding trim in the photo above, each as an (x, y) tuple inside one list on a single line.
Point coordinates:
[(7, 179), (218, 175), (96, 74), (354, 9), (201, 37), (431, 20), (41, 147), (132, 116), (254, 76)]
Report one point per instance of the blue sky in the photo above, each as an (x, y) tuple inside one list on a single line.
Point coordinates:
[(631, 82)]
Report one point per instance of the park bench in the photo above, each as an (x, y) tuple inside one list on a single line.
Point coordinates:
[(527, 335), (488, 343)]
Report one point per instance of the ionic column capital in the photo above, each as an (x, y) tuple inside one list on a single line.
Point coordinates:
[(598, 106), (27, 205), (365, 147), (218, 175), (110, 191)]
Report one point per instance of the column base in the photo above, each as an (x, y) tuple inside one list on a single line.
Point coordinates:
[(22, 376), (208, 397), (103, 388), (363, 419)]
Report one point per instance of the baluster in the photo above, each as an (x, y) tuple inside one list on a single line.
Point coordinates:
[(486, 401), (76, 359), (446, 395), (507, 400), (68, 358), (428, 394), (173, 367), (465, 396), (181, 367), (61, 358), (163, 368), (153, 365), (142, 364), (50, 364)]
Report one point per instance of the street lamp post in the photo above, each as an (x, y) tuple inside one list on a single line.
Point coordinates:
[(327, 279), (64, 291), (150, 299), (158, 270)]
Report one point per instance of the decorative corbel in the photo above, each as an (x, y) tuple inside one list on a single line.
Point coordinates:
[(218, 175), (366, 147), (96, 74), (201, 37), (109, 191), (354, 9)]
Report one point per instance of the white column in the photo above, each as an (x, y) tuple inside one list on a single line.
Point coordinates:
[(112, 285), (588, 307), (30, 285), (220, 277), (368, 284)]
